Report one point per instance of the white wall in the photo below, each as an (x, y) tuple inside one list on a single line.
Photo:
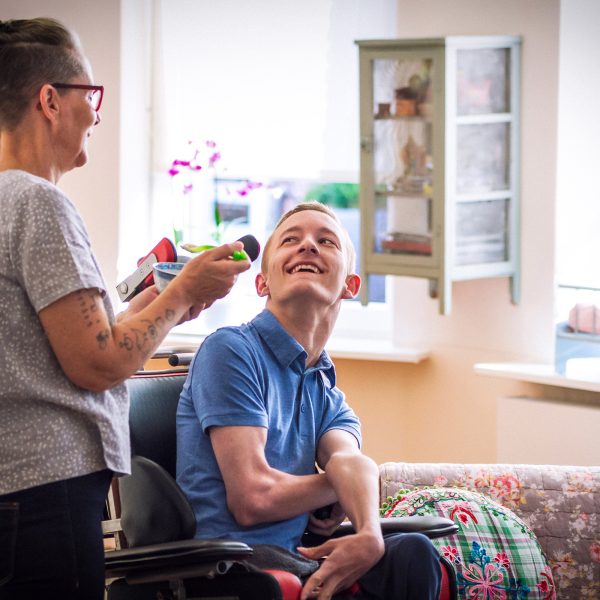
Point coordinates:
[(94, 188)]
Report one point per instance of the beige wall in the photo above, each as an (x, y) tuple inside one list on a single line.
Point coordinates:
[(438, 410)]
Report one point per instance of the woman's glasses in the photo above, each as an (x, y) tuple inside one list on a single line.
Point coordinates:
[(95, 96)]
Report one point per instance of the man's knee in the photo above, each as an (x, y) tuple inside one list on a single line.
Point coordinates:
[(411, 548)]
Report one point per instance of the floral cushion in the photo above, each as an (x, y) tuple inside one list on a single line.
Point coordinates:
[(495, 554)]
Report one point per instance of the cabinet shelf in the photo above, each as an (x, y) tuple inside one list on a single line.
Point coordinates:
[(413, 119), (400, 193), (439, 180)]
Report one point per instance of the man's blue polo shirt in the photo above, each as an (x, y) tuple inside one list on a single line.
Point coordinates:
[(255, 375)]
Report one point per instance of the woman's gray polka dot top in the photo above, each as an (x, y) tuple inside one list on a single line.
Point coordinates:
[(49, 428)]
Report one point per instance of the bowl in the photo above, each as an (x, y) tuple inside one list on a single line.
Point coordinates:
[(165, 272)]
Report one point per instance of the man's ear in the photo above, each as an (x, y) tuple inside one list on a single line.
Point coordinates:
[(48, 101), (352, 287), (262, 288)]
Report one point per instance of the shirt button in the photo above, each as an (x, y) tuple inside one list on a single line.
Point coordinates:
[(302, 408)]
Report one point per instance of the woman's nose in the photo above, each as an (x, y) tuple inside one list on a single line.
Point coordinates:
[(98, 119)]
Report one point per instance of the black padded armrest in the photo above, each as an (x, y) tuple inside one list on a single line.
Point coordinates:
[(180, 553), (432, 527)]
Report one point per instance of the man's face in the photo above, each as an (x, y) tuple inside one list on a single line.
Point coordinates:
[(307, 260)]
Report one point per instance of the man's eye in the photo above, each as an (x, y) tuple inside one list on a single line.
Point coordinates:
[(288, 239), (328, 242)]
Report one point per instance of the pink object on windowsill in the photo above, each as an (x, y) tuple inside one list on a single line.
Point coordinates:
[(585, 318)]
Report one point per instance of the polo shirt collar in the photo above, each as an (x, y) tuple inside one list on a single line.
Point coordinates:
[(286, 349)]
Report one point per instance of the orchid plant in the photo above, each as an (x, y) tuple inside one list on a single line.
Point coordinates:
[(183, 173)]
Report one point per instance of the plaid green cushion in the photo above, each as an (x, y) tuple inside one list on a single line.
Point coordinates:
[(495, 554)]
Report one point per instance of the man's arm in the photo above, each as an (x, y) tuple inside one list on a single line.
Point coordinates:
[(355, 479), (257, 493), (96, 355)]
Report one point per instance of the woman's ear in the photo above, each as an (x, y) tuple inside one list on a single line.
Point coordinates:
[(262, 288), (351, 287), (48, 101)]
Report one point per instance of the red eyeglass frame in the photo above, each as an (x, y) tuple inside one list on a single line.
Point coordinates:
[(82, 86)]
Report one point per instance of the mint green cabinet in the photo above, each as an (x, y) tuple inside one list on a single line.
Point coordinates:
[(439, 176)]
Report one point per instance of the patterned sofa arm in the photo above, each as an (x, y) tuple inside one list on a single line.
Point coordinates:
[(560, 504)]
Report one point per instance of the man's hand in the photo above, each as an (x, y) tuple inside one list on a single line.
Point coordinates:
[(328, 525), (346, 560)]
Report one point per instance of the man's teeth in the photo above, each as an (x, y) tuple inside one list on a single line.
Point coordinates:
[(310, 268)]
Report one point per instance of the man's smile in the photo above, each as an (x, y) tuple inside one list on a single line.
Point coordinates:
[(305, 268)]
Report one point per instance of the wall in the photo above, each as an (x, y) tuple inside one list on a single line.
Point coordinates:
[(440, 410), (94, 188), (575, 426)]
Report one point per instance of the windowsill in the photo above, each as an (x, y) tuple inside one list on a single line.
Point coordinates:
[(535, 373), (338, 347), (361, 333), (366, 349)]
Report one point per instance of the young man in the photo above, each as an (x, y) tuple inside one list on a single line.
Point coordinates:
[(260, 409)]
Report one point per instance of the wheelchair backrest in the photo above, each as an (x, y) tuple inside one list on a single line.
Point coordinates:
[(154, 396)]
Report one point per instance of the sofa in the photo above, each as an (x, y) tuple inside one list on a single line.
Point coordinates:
[(560, 504)]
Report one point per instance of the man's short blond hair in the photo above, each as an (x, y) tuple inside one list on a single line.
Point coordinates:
[(348, 246)]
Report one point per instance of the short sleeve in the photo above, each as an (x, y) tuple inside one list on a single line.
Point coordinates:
[(341, 416), (50, 247), (226, 382)]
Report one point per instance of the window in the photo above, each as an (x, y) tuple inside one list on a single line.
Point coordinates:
[(578, 206), (275, 85)]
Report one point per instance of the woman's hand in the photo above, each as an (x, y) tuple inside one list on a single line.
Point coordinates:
[(139, 302)]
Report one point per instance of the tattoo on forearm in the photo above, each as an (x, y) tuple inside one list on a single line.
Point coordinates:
[(137, 338), (103, 338), (151, 331), (127, 342)]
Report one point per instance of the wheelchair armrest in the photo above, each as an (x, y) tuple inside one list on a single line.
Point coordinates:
[(432, 527)]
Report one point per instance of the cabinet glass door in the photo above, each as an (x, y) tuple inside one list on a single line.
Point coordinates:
[(483, 155), (403, 155)]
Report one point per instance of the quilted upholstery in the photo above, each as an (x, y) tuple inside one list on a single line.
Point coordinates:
[(560, 504)]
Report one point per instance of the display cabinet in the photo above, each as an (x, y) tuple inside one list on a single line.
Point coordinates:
[(439, 176)]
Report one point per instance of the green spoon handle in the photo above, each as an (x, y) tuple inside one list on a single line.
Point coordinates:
[(237, 254)]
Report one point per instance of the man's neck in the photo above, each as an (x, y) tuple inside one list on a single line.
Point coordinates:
[(310, 326)]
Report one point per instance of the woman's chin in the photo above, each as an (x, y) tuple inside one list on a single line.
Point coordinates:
[(81, 159)]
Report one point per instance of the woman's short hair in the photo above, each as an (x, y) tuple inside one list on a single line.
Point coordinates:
[(33, 52), (314, 205)]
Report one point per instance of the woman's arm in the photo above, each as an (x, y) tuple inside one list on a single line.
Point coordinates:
[(96, 355)]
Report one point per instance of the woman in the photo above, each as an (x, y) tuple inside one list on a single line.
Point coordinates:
[(63, 403)]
